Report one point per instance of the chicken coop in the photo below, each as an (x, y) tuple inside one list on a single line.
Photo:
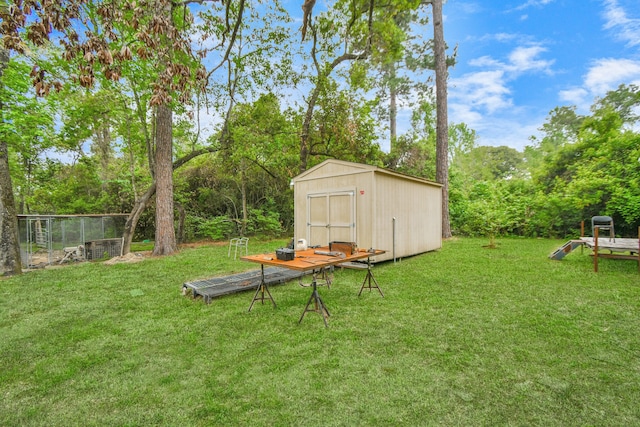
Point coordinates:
[(50, 239)]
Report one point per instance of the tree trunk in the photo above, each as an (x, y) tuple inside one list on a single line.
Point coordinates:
[(10, 262), (393, 108), (243, 191), (165, 241), (142, 202), (132, 220), (102, 138), (306, 129), (442, 126)]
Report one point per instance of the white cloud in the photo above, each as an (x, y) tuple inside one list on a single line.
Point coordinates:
[(486, 61), (603, 76), (502, 38), (606, 74), (463, 113), (484, 99), (488, 89), (575, 96), (484, 90), (512, 132), (626, 29), (468, 8), (534, 3), (524, 59)]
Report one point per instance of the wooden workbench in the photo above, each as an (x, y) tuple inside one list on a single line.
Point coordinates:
[(315, 260)]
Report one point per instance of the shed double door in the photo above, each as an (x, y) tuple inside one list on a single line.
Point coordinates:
[(331, 217)]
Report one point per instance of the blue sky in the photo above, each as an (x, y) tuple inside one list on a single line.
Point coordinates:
[(519, 59)]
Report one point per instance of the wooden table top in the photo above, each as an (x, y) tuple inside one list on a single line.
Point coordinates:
[(617, 244), (310, 259)]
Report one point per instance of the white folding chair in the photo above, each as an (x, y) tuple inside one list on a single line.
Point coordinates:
[(238, 242)]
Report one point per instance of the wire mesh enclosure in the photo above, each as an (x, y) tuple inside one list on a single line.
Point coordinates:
[(49, 239)]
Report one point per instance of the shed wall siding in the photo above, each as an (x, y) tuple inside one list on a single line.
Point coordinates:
[(417, 210)]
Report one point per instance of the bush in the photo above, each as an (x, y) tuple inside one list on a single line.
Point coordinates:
[(216, 228), (264, 222)]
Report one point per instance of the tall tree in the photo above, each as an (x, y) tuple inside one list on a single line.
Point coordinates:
[(27, 135), (10, 262), (165, 241), (349, 33), (261, 143), (241, 70), (442, 125), (115, 33), (398, 69), (624, 100), (561, 128)]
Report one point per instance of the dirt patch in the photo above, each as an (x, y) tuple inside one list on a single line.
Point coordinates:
[(129, 258), (132, 257), (203, 243), (40, 259)]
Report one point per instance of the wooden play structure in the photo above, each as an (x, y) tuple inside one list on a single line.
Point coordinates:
[(602, 245)]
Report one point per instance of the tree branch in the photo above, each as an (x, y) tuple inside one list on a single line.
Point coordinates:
[(261, 166), (184, 159), (234, 35)]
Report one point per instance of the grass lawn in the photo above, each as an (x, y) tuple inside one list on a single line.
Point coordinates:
[(464, 336)]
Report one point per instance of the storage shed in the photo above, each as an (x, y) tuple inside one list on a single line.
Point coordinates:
[(374, 207)]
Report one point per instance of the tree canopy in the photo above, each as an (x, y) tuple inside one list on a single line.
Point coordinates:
[(248, 105)]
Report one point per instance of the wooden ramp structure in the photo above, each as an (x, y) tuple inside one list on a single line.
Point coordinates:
[(563, 250), (249, 280), (603, 247)]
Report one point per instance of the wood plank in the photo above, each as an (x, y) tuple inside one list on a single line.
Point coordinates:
[(310, 259), (619, 245)]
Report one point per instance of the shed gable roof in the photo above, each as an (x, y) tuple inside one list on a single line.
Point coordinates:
[(334, 167)]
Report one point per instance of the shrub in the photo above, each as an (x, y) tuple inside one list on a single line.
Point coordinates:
[(264, 222), (216, 228)]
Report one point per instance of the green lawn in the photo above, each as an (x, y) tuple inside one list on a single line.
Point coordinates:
[(464, 336)]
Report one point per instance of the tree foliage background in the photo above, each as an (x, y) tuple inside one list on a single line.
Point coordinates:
[(86, 149)]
